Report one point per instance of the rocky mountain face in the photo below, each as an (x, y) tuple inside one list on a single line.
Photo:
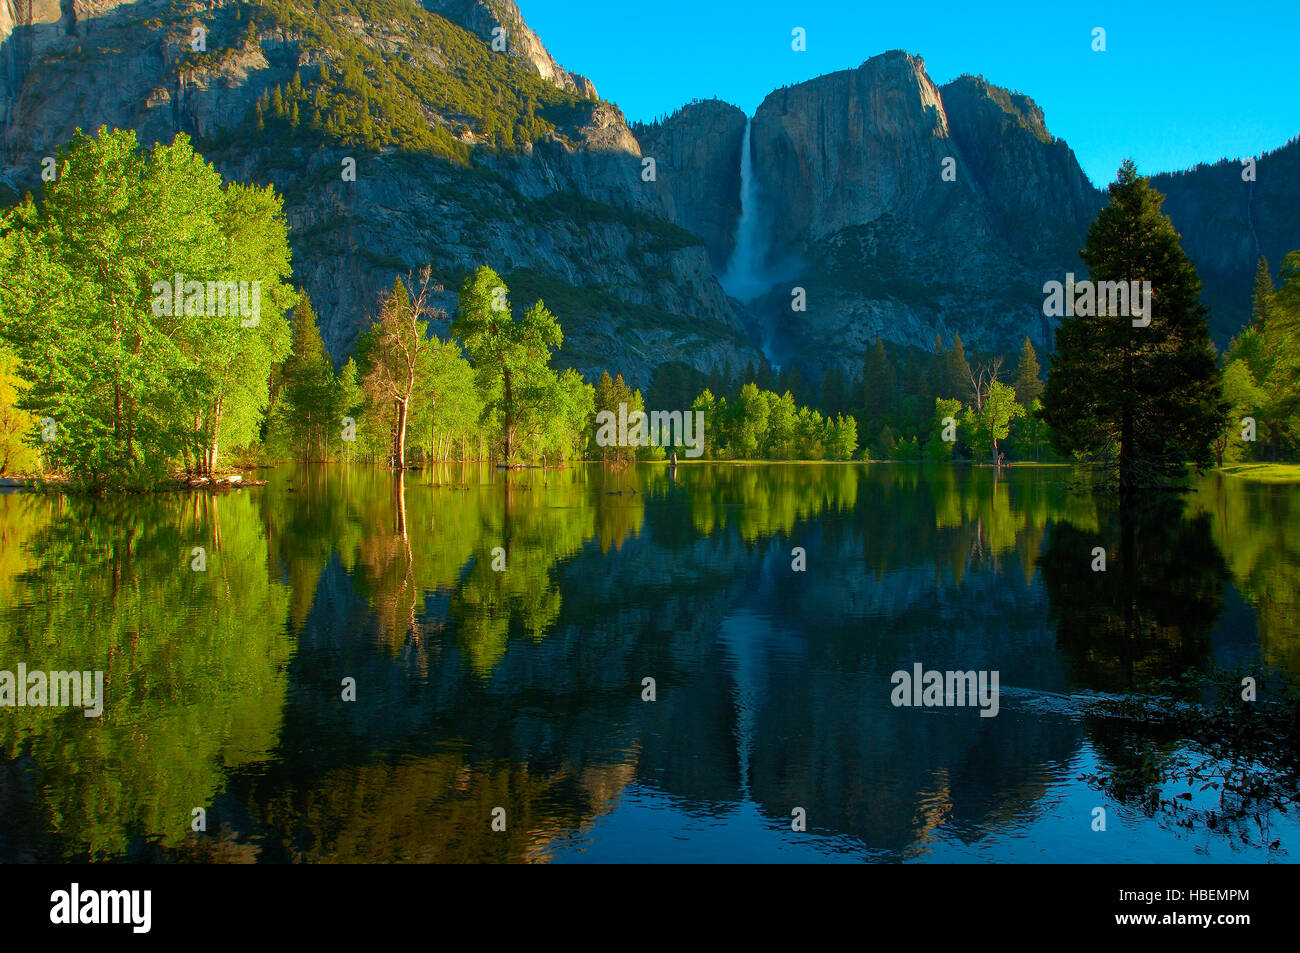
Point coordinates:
[(488, 19), (697, 157), (1227, 221), (912, 210), (556, 204), (902, 209)]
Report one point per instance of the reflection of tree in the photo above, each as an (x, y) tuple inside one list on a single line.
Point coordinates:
[(193, 662), (535, 530), (763, 500), (1150, 613), (1257, 529)]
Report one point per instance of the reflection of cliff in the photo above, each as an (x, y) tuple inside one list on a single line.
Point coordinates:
[(522, 688)]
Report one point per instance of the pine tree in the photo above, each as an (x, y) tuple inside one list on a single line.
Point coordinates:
[(308, 387), (1152, 391), (957, 378), (1263, 292), (1029, 386), (880, 384)]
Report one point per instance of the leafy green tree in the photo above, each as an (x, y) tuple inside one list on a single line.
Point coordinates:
[(350, 399), (945, 409), (841, 437), (16, 454), (609, 394), (445, 404), (810, 431), (905, 450), (1245, 398), (510, 357), (1155, 390), (1030, 435), (782, 417), (574, 417), (707, 405), (992, 421), (118, 305), (751, 423)]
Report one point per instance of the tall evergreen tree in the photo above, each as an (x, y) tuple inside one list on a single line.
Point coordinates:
[(1263, 292), (1154, 392), (880, 384), (957, 376), (1029, 386), (308, 393)]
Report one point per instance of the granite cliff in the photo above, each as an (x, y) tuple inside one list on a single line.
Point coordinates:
[(903, 209), (464, 155)]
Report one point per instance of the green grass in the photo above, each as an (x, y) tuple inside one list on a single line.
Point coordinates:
[(1265, 472)]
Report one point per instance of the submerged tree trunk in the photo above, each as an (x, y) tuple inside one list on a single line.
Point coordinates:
[(399, 446)]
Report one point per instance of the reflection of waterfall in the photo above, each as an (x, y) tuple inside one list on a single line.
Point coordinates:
[(743, 278), (745, 637)]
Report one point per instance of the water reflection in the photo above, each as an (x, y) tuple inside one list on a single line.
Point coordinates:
[(499, 625)]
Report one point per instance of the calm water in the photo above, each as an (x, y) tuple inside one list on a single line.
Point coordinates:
[(522, 689)]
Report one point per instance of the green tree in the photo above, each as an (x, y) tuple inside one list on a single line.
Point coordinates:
[(992, 421), (117, 304), (751, 423), (308, 406), (17, 455), (880, 384), (1153, 391), (947, 411), (957, 374), (884, 443), (782, 417), (1029, 386), (510, 357), (1263, 292), (841, 437), (707, 405)]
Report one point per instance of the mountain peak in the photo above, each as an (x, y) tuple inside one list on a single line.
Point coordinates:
[(489, 19)]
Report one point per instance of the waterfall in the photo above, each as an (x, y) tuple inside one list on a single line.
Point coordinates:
[(746, 276), (743, 278)]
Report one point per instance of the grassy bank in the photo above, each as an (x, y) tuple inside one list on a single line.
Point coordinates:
[(1265, 472)]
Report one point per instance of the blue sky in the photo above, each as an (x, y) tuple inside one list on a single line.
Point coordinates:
[(1179, 83)]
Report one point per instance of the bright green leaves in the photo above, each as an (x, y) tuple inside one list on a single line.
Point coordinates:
[(146, 308)]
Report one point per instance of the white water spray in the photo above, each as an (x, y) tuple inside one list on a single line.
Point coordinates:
[(743, 278)]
